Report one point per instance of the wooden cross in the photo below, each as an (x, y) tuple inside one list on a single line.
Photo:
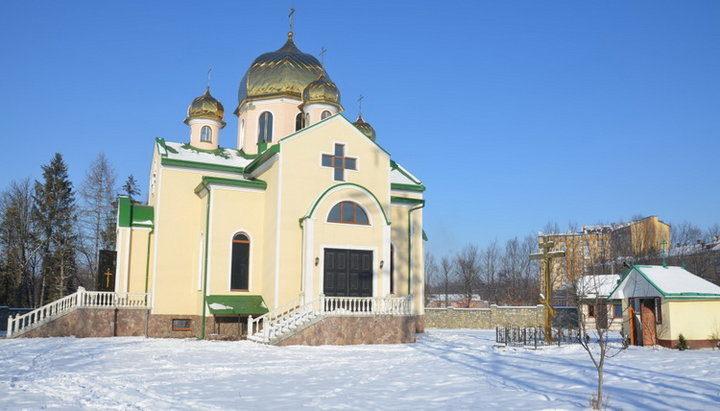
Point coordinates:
[(546, 297), (339, 162)]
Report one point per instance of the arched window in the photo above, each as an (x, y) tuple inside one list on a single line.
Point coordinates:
[(325, 114), (206, 134), (349, 213), (299, 122), (239, 272), (265, 127)]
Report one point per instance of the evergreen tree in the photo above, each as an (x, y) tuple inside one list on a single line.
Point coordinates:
[(98, 215), (131, 189), (55, 218), (19, 256)]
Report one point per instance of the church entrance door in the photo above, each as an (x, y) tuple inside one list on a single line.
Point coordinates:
[(348, 273)]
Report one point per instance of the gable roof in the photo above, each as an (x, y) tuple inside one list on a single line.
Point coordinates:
[(185, 155), (670, 282), (594, 286)]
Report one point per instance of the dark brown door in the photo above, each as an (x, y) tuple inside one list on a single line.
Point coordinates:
[(348, 273)]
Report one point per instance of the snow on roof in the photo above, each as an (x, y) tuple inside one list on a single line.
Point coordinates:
[(669, 281), (184, 152), (594, 286), (399, 175)]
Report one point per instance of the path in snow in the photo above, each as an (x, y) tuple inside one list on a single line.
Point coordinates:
[(458, 369)]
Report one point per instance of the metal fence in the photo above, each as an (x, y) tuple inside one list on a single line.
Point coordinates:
[(535, 336)]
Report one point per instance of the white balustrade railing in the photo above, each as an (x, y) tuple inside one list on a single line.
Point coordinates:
[(79, 299), (278, 322)]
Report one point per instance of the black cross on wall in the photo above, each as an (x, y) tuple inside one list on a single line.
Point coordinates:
[(339, 162)]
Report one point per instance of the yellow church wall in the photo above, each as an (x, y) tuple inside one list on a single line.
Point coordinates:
[(271, 255), (178, 223), (694, 319), (303, 151), (283, 110), (235, 210), (399, 217), (138, 260)]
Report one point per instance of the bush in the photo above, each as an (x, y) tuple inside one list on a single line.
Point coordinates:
[(682, 343)]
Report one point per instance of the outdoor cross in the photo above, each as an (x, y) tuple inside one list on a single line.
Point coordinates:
[(339, 162), (107, 275), (290, 17), (208, 79), (323, 50), (546, 297), (360, 99)]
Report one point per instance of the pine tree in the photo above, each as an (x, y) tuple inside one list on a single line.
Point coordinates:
[(131, 189), (55, 218)]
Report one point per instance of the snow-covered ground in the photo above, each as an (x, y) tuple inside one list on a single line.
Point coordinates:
[(445, 369)]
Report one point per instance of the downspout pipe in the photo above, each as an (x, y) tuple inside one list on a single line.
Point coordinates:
[(410, 244), (205, 263)]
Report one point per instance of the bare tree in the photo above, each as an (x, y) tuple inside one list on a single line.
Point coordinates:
[(98, 217), (431, 270), (447, 274), (592, 290), (467, 264), (19, 256)]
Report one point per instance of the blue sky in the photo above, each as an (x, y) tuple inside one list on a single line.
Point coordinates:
[(513, 113)]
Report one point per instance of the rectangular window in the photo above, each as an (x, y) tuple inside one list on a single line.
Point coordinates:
[(658, 310), (591, 310), (617, 310), (181, 325), (327, 160)]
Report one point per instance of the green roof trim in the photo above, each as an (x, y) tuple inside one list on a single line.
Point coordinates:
[(207, 180), (133, 215), (408, 187), (142, 216), (328, 119), (220, 152), (262, 158), (204, 166), (396, 166), (665, 295), (312, 210), (406, 200), (124, 212), (236, 304)]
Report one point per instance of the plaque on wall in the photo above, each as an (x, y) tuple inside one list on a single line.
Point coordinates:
[(106, 270)]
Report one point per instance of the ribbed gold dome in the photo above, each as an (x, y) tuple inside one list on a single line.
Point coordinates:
[(285, 72), (206, 106), (322, 90), (365, 128)]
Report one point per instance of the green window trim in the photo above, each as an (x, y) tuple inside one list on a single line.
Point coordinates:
[(312, 210)]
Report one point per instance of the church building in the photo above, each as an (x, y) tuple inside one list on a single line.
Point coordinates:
[(298, 219)]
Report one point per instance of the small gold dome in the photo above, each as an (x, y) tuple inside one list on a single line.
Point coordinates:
[(365, 128), (206, 106), (285, 72), (322, 90)]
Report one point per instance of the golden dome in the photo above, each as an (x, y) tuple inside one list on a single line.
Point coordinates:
[(365, 128), (322, 90), (206, 106), (285, 72)]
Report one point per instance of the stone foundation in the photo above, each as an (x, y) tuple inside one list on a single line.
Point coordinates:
[(92, 322), (380, 329), (484, 318), (691, 344)]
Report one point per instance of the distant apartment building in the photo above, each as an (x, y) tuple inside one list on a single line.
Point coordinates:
[(603, 248)]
